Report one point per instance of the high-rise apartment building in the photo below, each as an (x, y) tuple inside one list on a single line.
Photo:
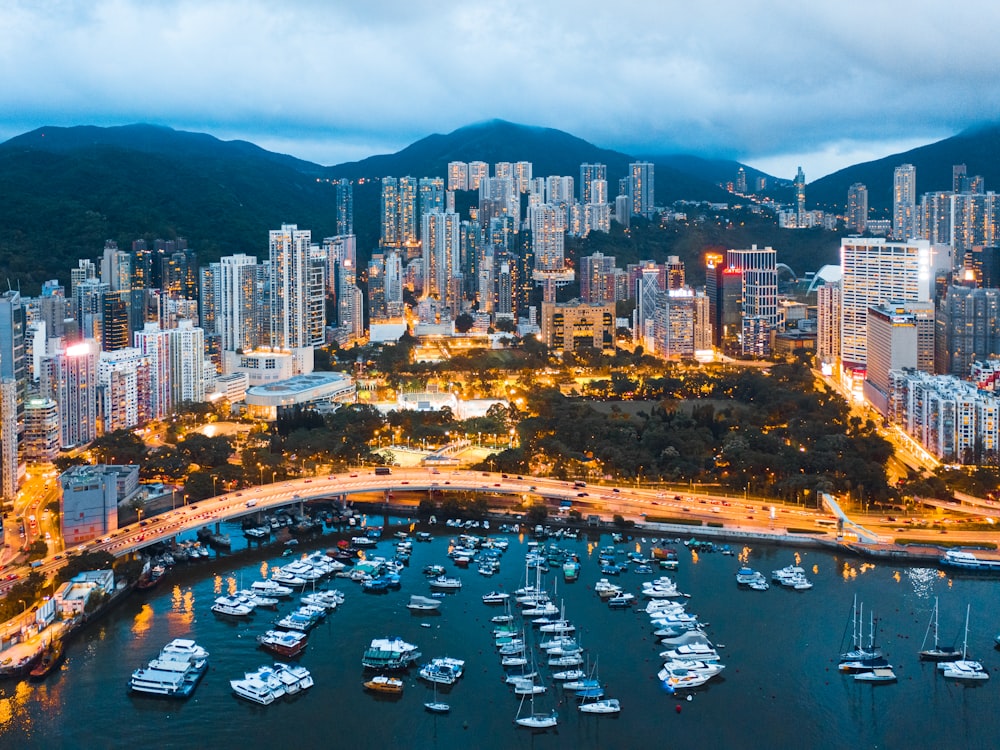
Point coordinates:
[(857, 208), (548, 238), (236, 319), (187, 362), (588, 174), (41, 430), (904, 203), (828, 315), (154, 343), (69, 377), (123, 378), (458, 175), (297, 288), (799, 185), (442, 262), (478, 171), (968, 329), (641, 183)]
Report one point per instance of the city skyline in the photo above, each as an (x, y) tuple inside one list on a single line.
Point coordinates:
[(815, 86)]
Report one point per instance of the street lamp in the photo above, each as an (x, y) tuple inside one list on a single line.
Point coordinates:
[(261, 467), (214, 478)]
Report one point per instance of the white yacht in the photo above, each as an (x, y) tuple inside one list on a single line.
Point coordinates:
[(603, 706), (252, 690), (271, 588)]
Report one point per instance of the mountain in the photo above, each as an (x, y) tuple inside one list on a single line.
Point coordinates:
[(550, 151), (67, 190), (977, 148)]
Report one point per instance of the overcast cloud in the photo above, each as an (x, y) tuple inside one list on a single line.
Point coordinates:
[(775, 84)]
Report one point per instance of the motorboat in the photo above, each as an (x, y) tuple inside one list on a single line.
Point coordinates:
[(253, 690), (266, 675), (877, 675), (496, 597), (423, 604), (692, 652), (569, 675), (294, 677), (231, 608), (384, 684), (185, 647), (287, 643), (621, 601), (442, 670), (681, 669), (271, 588), (446, 583)]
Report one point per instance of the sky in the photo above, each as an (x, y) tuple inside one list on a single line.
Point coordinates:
[(779, 84)]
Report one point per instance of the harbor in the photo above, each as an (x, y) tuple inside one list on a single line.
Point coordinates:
[(780, 647)]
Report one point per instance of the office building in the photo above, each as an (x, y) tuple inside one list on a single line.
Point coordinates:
[(574, 325), (876, 272), (758, 304)]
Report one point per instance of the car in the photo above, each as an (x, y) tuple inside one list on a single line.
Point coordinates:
[(58, 557), (616, 490), (251, 503), (239, 494), (581, 494), (105, 540), (353, 475), (10, 577), (143, 523), (307, 481)]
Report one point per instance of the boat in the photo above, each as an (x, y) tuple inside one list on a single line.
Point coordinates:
[(535, 720), (621, 601), (389, 653), (964, 668), (423, 604), (603, 706), (269, 678), (442, 670), (294, 677), (858, 651), (271, 588), (253, 690), (692, 652), (937, 652), (446, 583), (384, 684), (185, 647), (496, 597), (229, 607), (287, 643), (170, 674), (967, 561), (877, 675), (435, 706), (571, 570), (51, 657)]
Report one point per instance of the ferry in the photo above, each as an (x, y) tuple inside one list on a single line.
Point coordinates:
[(389, 653), (968, 561)]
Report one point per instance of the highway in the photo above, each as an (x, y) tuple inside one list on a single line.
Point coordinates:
[(632, 503)]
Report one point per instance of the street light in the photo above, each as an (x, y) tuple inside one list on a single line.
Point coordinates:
[(214, 478)]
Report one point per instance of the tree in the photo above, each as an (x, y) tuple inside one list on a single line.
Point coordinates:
[(119, 447), (464, 323)]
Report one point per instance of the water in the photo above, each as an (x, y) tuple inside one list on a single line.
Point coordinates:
[(781, 687)]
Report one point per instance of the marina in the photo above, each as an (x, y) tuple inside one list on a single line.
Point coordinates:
[(618, 704)]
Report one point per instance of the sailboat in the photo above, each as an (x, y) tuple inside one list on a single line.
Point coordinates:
[(435, 706), (858, 652), (964, 668), (870, 657), (937, 653), (535, 720)]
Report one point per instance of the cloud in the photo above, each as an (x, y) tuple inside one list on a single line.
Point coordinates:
[(741, 79)]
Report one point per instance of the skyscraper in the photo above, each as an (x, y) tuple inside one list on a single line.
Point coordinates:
[(904, 202), (758, 269), (857, 208), (597, 279), (548, 238), (799, 183), (389, 225), (345, 207), (187, 362)]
